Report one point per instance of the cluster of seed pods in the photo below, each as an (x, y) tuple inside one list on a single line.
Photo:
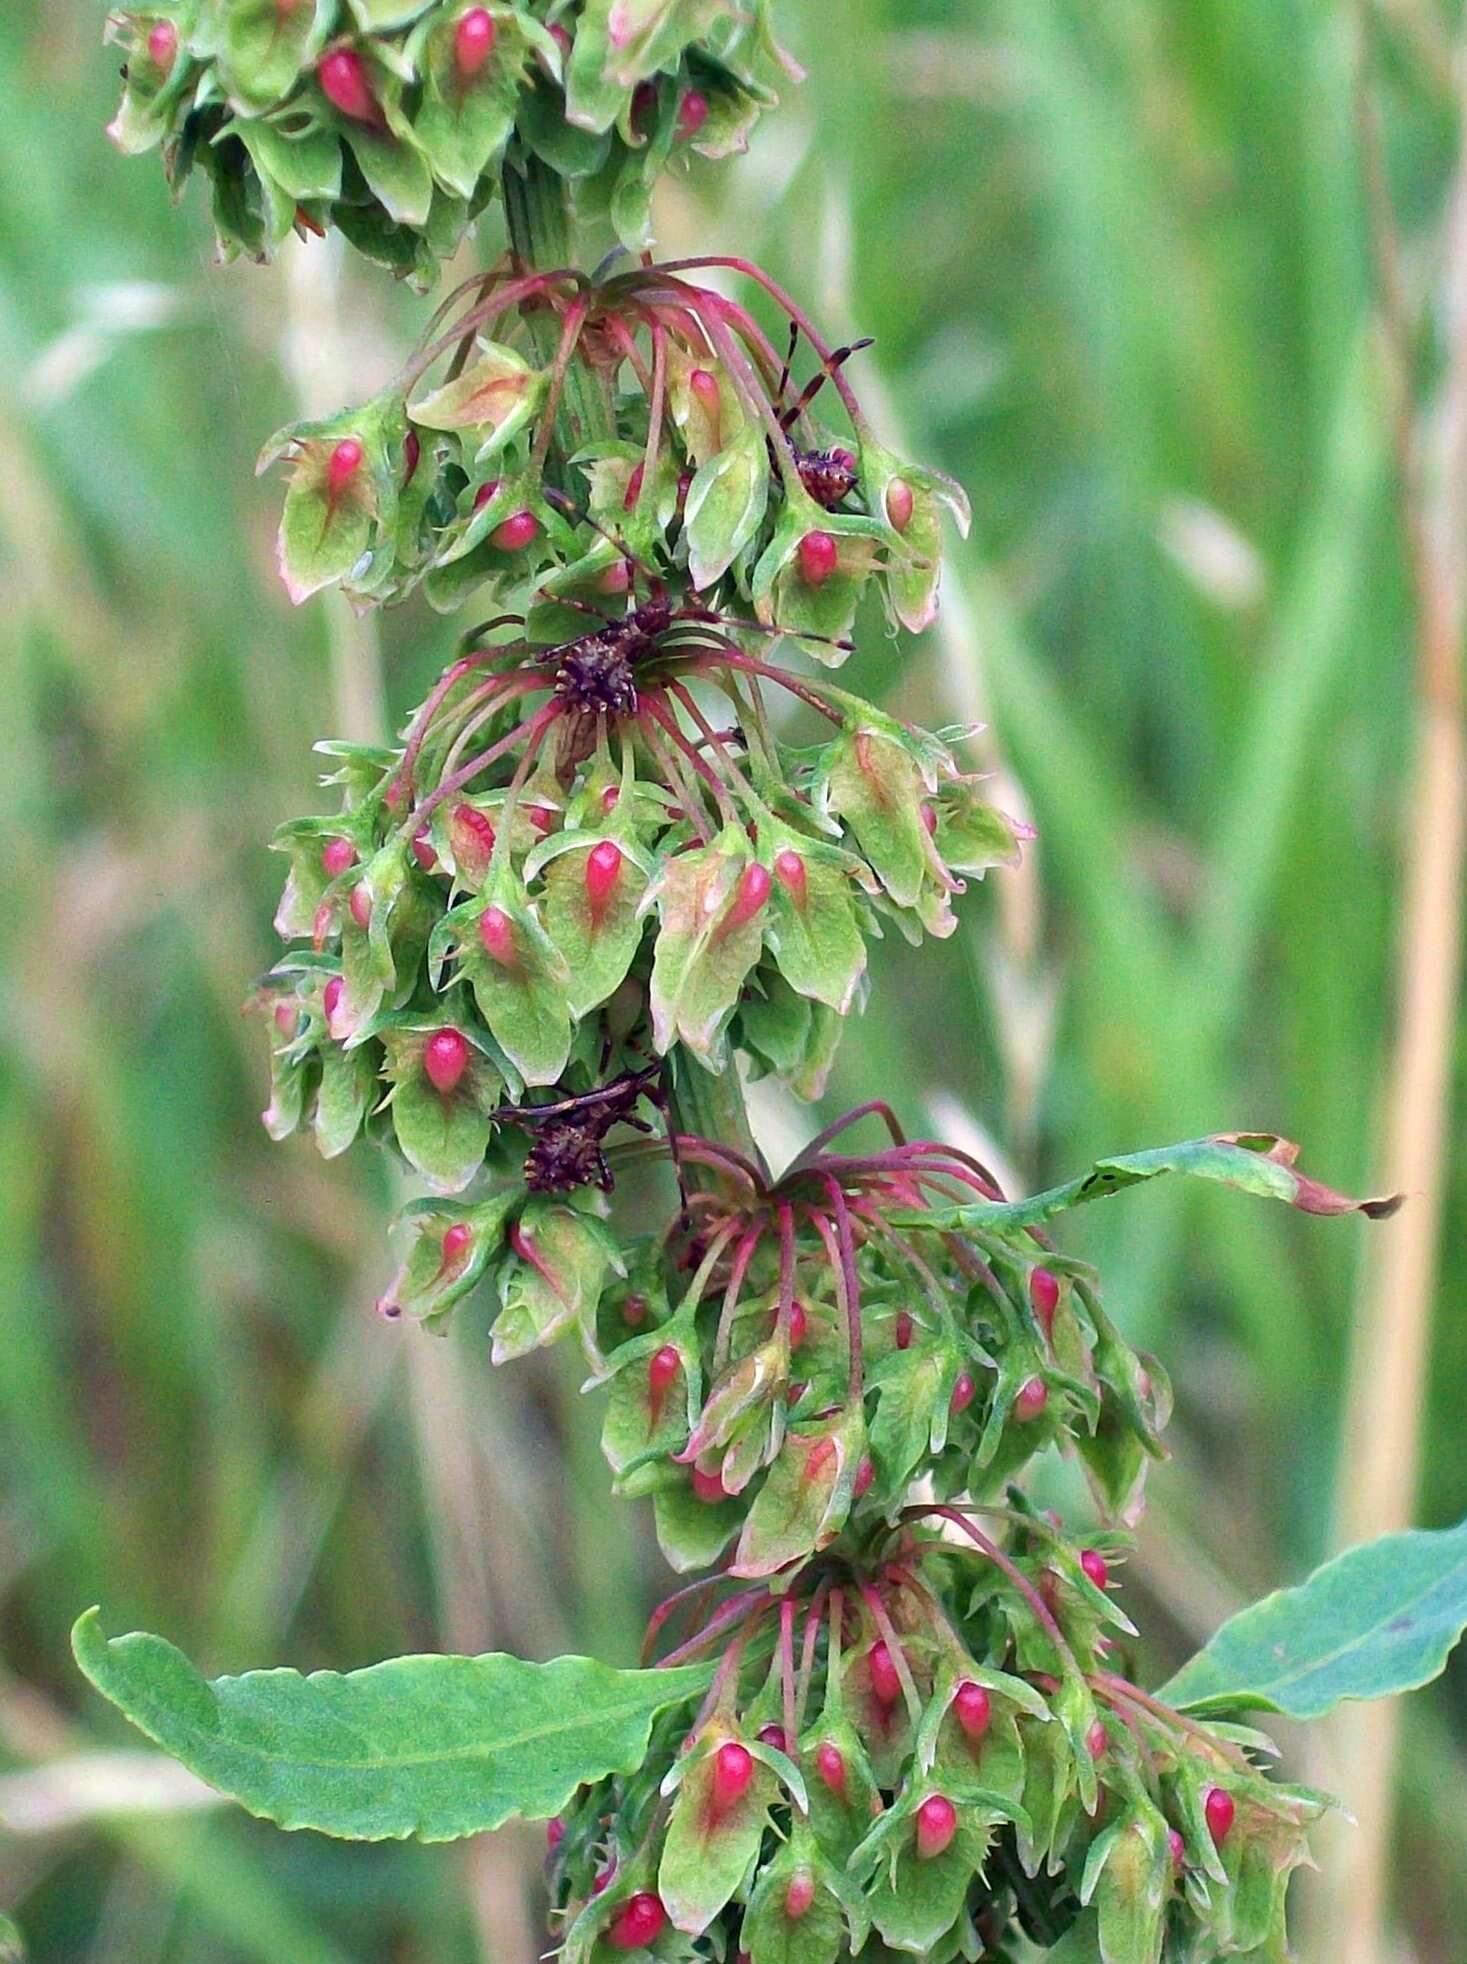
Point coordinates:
[(392, 124), (928, 1746)]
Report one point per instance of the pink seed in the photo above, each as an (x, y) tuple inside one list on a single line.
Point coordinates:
[(899, 503), (514, 533), (789, 870), (473, 42), (1044, 1293), (639, 1922), (1095, 1566), (799, 1895), (361, 905), (163, 44), (1220, 1810), (1096, 1740), (343, 78), (543, 818), (831, 1766), (412, 451), (323, 926), (692, 114), (554, 1834), (818, 556), (974, 1709), (662, 1370), (634, 487), (684, 486), (603, 871), (705, 387), (445, 1059), (886, 1686), (616, 579), (455, 1244), (937, 1823), (1031, 1401), (336, 856), (484, 493), (865, 1474), (287, 1018), (331, 999), (608, 799), (964, 1392), (733, 1769), (799, 1325), (708, 1487), (774, 1735), (561, 38), (473, 838), (634, 1312), (345, 462), (423, 851), (602, 1880), (1178, 1848), (496, 934), (749, 898), (903, 1331)]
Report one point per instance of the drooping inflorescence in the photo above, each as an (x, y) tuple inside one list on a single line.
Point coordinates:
[(636, 839)]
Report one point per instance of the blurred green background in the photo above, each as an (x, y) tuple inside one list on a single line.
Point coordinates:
[(1117, 260)]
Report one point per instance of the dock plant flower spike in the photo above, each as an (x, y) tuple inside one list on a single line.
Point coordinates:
[(631, 848)]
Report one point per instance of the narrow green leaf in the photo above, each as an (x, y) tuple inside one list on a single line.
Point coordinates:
[(433, 1747), (1379, 1619)]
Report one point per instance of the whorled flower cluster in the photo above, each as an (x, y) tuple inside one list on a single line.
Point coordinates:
[(928, 1745), (392, 119)]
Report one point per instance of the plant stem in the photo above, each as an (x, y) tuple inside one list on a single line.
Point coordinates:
[(537, 208)]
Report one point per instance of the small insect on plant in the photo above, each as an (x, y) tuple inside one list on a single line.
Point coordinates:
[(899, 1708)]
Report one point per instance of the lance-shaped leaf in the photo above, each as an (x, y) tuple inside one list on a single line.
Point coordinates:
[(1381, 1619), (519, 978), (914, 1899), (815, 599), (344, 484), (464, 122), (726, 502), (1254, 1162), (448, 1251), (803, 1503), (432, 1747), (651, 1403), (711, 1838), (494, 398), (712, 904), (806, 1924), (562, 1261)]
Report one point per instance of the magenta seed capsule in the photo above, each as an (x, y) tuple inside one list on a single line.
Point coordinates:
[(343, 78), (750, 896), (886, 1685), (733, 1770), (818, 556), (514, 533), (496, 934), (799, 1895), (899, 504), (473, 42), (361, 905), (1044, 1293), (445, 1059), (904, 1327), (789, 870), (1220, 1809), (603, 871), (163, 44), (342, 466), (964, 1392), (709, 1487), (1032, 1399), (455, 1244), (1095, 1566), (639, 1922), (937, 1823), (336, 856), (830, 1764), (973, 1709)]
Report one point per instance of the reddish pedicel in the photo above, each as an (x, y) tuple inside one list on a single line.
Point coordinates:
[(733, 1769), (639, 1922), (445, 1059), (818, 557), (603, 871), (473, 42), (973, 1709), (899, 503), (1032, 1399), (709, 1487), (496, 933), (751, 894), (345, 462), (886, 1686), (692, 114), (343, 78), (964, 1392), (1095, 1566), (789, 870), (514, 533), (1220, 1810), (937, 1823), (799, 1896), (162, 44), (336, 856), (1044, 1294)]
